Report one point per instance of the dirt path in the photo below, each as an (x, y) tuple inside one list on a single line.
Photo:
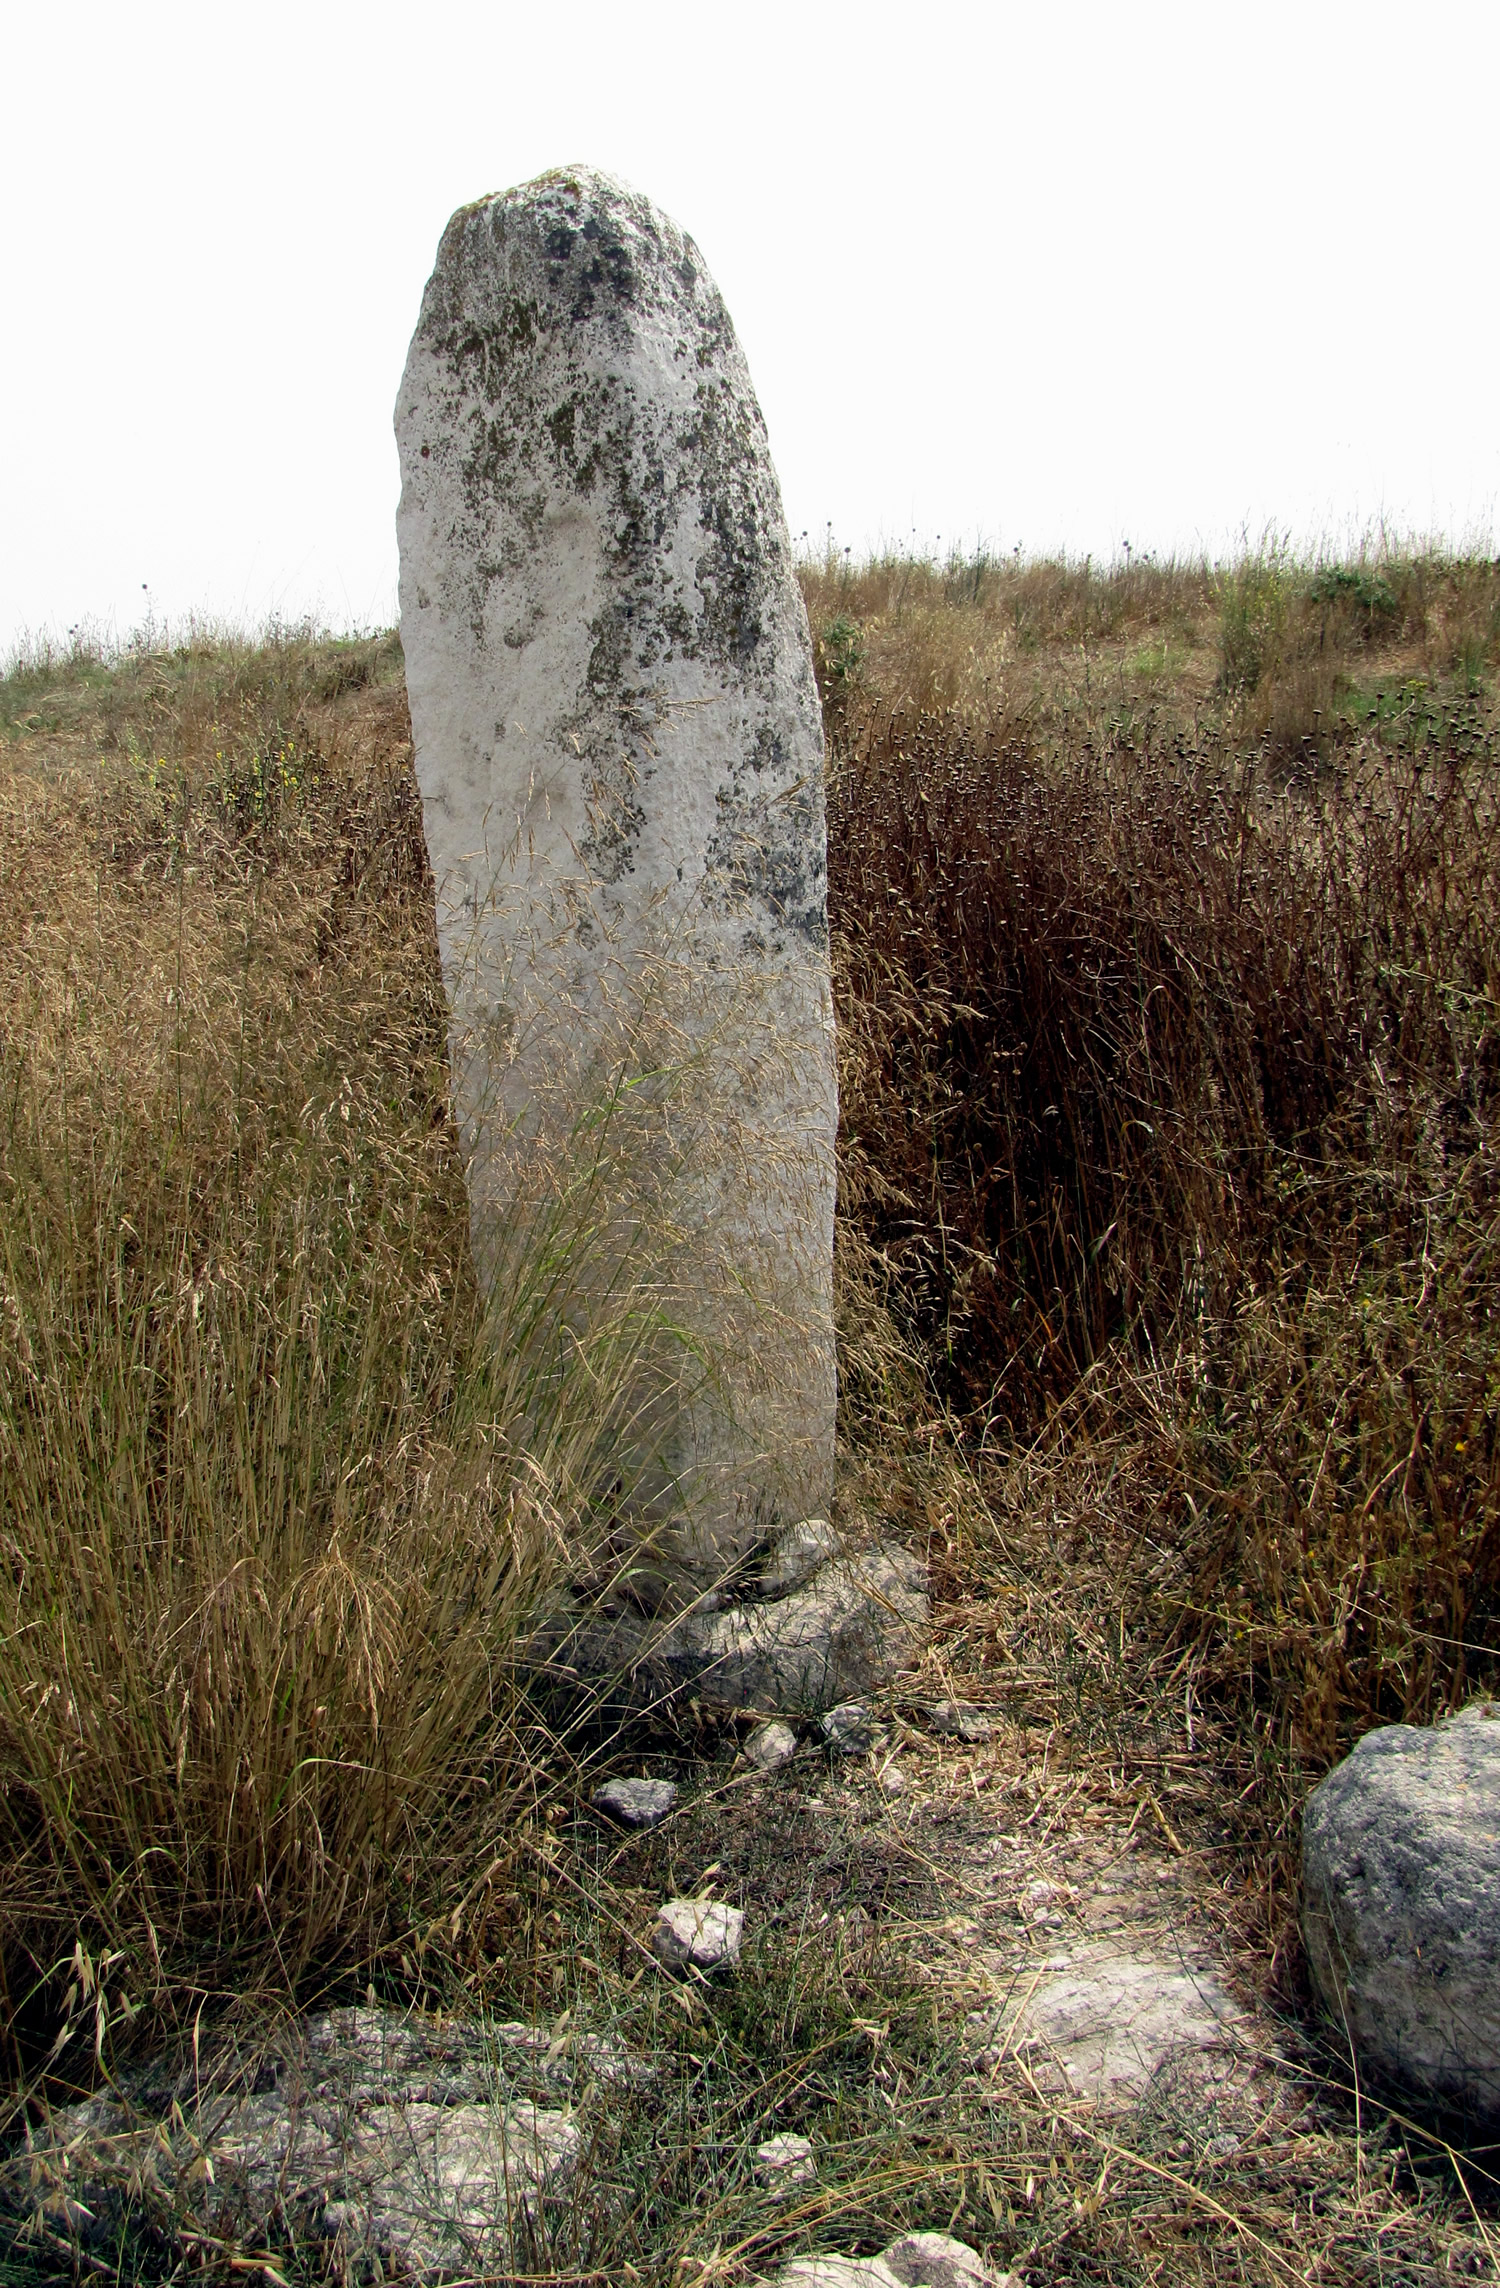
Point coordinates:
[(1075, 1948)]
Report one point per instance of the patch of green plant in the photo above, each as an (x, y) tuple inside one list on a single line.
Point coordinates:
[(839, 654), (1156, 661), (1473, 665), (1419, 716), (1368, 595), (1253, 605)]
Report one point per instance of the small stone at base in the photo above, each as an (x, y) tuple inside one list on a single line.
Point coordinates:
[(837, 2272), (638, 1803), (700, 1932), (934, 2260), (770, 1746), (849, 1729), (796, 1556), (785, 2161), (917, 2260), (956, 1720)]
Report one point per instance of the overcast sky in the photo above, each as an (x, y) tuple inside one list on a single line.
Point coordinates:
[(1055, 276)]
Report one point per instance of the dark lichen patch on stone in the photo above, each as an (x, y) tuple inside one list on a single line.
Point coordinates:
[(741, 552), (483, 352), (763, 853), (767, 751)]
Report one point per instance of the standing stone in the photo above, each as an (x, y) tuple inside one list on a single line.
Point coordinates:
[(620, 753)]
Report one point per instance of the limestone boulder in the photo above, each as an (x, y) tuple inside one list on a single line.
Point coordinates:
[(853, 1625), (394, 2141), (1401, 1908)]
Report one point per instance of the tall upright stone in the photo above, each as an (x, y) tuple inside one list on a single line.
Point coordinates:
[(620, 753)]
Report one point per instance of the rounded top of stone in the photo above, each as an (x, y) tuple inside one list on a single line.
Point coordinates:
[(1469, 1734), (576, 181), (1437, 1782), (584, 239), (565, 191)]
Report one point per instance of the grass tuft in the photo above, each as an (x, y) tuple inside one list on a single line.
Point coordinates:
[(278, 1496)]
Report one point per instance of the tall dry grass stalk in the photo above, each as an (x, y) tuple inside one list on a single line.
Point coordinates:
[(279, 1495)]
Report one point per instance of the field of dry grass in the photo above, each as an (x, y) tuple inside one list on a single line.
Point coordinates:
[(1169, 1000), (1167, 970)]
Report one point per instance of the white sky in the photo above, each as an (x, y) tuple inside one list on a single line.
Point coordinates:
[(1057, 275)]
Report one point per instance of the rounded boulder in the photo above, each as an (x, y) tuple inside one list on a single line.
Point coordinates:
[(1401, 1908)]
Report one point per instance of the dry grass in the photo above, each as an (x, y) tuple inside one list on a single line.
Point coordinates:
[(1167, 982), (277, 1496), (1169, 1102), (1292, 659)]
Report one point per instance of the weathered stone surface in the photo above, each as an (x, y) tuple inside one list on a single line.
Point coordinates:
[(837, 2272), (1401, 1907), (796, 1555), (917, 2260), (853, 1626), (636, 1803), (770, 1746), (703, 1933), (850, 1729), (442, 2188), (389, 2136), (1107, 2019), (620, 752), (574, 2058), (936, 2260), (785, 2162)]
